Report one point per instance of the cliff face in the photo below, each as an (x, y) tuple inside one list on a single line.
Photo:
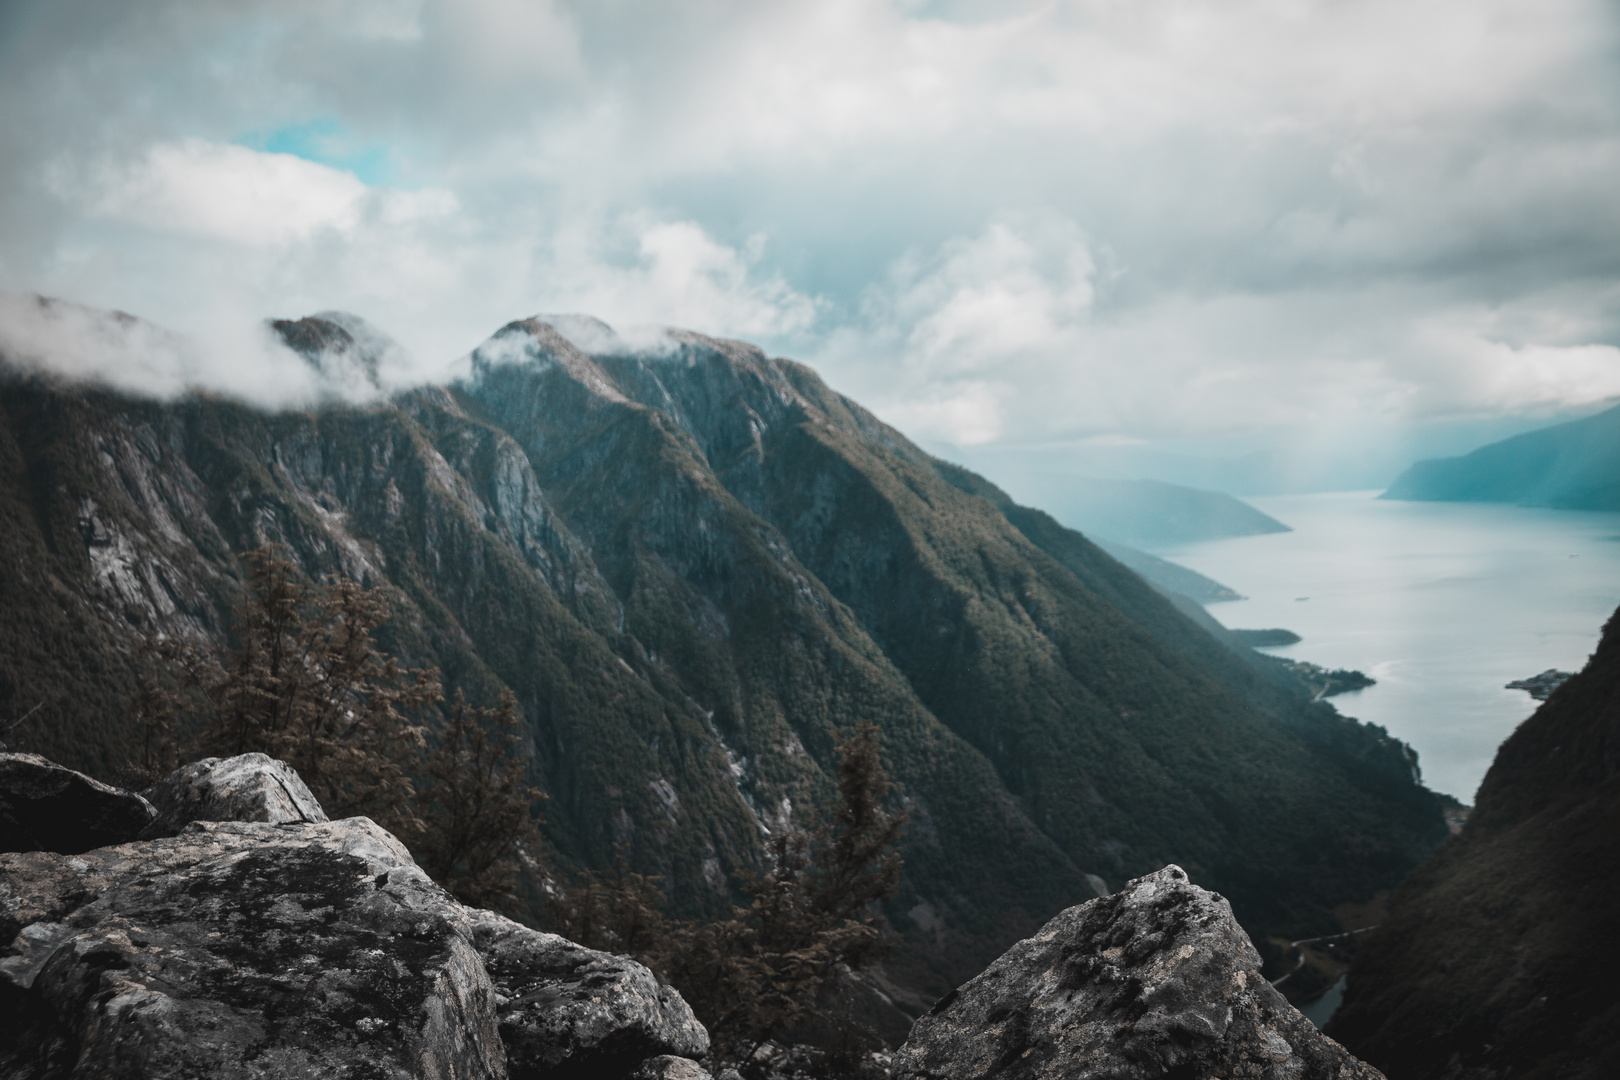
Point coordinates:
[(691, 568), (1500, 950)]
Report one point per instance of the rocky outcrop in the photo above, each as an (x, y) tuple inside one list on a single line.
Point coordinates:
[(1541, 686), (241, 948), (564, 1007), (248, 787), (299, 948), (44, 807), (669, 1067), (1156, 980)]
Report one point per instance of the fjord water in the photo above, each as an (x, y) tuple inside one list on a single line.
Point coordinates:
[(1442, 603)]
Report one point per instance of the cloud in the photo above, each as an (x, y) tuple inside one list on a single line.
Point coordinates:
[(679, 275), (117, 350), (1003, 297), (220, 191), (966, 414), (999, 336), (1477, 372), (1044, 221)]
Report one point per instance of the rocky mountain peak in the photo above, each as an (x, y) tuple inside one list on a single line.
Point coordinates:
[(346, 352), (534, 347)]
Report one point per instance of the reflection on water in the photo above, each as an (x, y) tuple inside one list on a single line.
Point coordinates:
[(1320, 1011), (1442, 603)]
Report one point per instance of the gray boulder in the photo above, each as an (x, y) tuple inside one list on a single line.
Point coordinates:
[(1156, 980), (46, 807), (237, 950), (288, 947), (248, 787), (566, 1010)]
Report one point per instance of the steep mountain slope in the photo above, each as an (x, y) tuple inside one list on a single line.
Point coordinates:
[(1113, 721), (1573, 466), (1499, 952), (691, 567)]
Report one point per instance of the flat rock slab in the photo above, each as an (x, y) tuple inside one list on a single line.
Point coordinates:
[(1157, 980), (248, 787), (46, 807), (239, 950)]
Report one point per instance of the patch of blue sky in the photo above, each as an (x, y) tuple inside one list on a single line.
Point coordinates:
[(324, 141)]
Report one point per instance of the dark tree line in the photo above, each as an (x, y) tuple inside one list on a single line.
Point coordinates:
[(302, 679)]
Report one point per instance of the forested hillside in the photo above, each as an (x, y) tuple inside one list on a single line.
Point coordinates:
[(692, 567)]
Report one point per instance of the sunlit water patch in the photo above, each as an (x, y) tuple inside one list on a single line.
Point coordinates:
[(1442, 603)]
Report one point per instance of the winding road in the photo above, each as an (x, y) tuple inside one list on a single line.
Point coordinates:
[(1295, 945)]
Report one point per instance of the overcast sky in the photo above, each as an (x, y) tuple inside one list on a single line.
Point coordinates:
[(1035, 228)]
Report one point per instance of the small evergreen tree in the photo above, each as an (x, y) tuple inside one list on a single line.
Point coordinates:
[(303, 680), (764, 970), (476, 805), (620, 913)]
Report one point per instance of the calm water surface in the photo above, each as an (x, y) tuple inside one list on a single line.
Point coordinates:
[(1442, 603)]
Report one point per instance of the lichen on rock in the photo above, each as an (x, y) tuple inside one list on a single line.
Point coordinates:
[(1156, 980), (288, 947), (237, 949)]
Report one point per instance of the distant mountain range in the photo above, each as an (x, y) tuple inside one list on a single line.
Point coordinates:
[(1498, 954), (1148, 513), (1171, 577), (692, 566), (1573, 466)]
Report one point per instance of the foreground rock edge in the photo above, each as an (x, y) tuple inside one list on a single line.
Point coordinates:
[(1155, 980), (173, 956)]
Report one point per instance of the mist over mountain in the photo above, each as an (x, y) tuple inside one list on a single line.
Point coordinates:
[(1573, 466), (693, 565), (346, 353)]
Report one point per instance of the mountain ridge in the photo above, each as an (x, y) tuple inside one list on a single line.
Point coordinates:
[(1570, 466), (691, 568)]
